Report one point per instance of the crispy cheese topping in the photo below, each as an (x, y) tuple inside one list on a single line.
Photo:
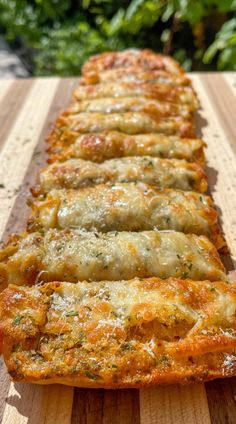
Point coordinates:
[(126, 207), (74, 255), (162, 173), (119, 334), (140, 59), (66, 144)]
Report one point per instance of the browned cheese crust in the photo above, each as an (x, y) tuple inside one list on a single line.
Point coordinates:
[(152, 107), (127, 286), (134, 74), (66, 143), (126, 122), (126, 207), (143, 59), (119, 334), (162, 173), (76, 255), (161, 92)]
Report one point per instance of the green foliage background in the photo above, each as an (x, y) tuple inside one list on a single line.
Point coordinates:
[(55, 37)]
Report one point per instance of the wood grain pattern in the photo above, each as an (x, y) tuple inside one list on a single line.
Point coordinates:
[(5, 85), (28, 403), (19, 145), (221, 395), (38, 404), (12, 97), (106, 406), (27, 108), (174, 404), (230, 78), (219, 103), (220, 153), (61, 97)]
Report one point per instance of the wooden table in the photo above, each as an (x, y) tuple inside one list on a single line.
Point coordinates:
[(27, 109)]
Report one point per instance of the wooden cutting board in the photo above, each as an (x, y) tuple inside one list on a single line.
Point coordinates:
[(27, 109)]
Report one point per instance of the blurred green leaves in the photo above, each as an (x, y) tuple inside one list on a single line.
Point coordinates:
[(58, 36), (225, 45), (63, 51)]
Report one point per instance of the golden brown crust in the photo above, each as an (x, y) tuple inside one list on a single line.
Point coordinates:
[(66, 144), (161, 92), (152, 107), (119, 334), (136, 105), (143, 59), (126, 207), (162, 173), (132, 73), (127, 122), (77, 255)]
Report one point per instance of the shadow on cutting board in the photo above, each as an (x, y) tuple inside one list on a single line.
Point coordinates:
[(212, 176), (65, 405), (38, 404), (200, 123)]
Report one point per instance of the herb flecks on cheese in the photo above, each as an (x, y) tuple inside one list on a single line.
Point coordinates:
[(126, 207), (120, 334), (74, 254), (162, 173)]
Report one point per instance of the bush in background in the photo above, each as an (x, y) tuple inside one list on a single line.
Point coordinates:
[(55, 37)]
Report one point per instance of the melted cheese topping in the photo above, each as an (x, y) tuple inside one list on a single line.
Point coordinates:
[(132, 89), (127, 122), (132, 74), (125, 207), (115, 332), (112, 144), (140, 59), (120, 334), (134, 104), (162, 173), (74, 255)]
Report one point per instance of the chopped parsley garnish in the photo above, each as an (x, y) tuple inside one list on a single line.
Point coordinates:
[(17, 320), (189, 265), (165, 360), (97, 255), (92, 376), (72, 314), (126, 346)]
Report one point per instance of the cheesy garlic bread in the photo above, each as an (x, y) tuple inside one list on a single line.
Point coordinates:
[(98, 147), (133, 74), (119, 334), (162, 92), (127, 286), (152, 107), (140, 59), (127, 122), (163, 173), (72, 255), (126, 207)]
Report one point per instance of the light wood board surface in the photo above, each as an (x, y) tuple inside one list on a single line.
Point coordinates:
[(27, 110)]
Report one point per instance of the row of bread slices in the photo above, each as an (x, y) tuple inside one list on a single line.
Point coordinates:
[(121, 206)]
